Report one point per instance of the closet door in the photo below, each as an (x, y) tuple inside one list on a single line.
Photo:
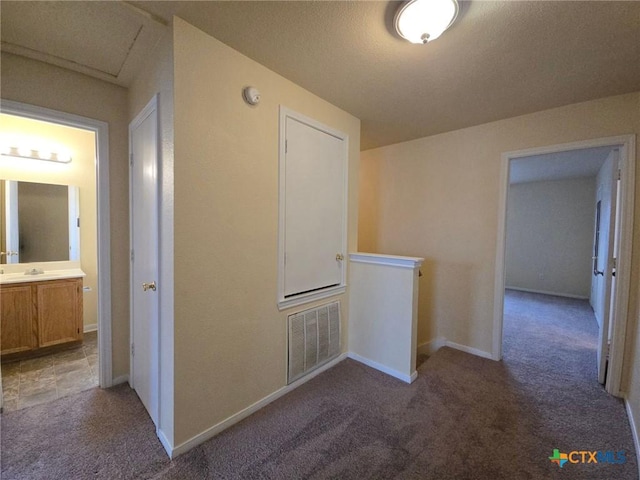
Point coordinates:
[(313, 212)]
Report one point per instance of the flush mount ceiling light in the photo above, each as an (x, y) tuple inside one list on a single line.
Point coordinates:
[(422, 21)]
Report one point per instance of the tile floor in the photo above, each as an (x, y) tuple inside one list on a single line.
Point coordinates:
[(30, 382)]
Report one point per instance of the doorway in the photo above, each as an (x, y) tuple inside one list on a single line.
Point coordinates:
[(101, 289), (513, 164)]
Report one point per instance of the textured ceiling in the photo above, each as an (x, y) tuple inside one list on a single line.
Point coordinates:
[(579, 163), (107, 40), (499, 60)]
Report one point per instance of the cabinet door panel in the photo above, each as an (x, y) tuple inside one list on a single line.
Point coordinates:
[(17, 330), (59, 311)]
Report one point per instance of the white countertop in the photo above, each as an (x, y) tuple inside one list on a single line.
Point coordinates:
[(22, 277)]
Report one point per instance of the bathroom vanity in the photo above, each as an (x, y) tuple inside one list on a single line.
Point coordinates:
[(41, 283), (40, 310)]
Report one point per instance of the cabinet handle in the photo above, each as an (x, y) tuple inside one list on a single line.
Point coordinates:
[(149, 286)]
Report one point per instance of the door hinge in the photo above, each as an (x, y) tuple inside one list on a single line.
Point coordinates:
[(131, 255), (78, 222), (619, 174), (132, 350), (78, 331), (286, 146), (131, 159)]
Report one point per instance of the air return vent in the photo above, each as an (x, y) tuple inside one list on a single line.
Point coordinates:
[(314, 339)]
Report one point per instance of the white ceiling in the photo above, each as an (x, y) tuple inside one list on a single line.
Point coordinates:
[(580, 163), (499, 60)]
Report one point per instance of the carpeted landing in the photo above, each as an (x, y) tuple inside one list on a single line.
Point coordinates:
[(463, 418)]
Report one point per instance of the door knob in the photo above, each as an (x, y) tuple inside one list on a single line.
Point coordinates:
[(339, 257), (149, 286)]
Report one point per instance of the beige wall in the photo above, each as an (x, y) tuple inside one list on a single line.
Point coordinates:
[(550, 236), (230, 338), (437, 197), (44, 85), (156, 77), (81, 172)]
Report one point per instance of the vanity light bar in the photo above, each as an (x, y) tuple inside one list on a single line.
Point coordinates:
[(33, 154)]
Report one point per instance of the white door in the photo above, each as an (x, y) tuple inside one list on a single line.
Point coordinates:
[(143, 137), (604, 262), (314, 208)]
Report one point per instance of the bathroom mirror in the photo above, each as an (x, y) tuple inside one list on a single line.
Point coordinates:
[(40, 222)]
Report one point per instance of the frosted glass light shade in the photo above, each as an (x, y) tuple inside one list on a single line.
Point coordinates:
[(422, 21)]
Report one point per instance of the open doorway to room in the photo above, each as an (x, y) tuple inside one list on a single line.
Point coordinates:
[(564, 256), (52, 268)]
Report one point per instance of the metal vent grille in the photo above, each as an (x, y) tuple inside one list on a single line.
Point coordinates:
[(314, 339)]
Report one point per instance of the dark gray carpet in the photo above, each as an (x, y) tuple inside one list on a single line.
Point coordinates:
[(464, 418)]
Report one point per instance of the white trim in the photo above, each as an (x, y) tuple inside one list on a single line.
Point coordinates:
[(634, 431), (93, 327), (311, 297), (120, 379), (242, 414), (501, 240), (101, 130), (471, 350), (150, 108), (383, 368), (283, 302), (627, 166), (432, 346), (165, 442), (390, 260), (544, 292)]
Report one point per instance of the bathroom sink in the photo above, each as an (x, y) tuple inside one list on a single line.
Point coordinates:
[(39, 275)]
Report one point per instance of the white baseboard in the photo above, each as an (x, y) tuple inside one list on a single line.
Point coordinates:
[(431, 347), (164, 441), (471, 350), (242, 414), (90, 328), (383, 368), (544, 292), (634, 432), (119, 380)]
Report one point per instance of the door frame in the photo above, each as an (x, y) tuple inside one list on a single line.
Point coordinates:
[(627, 165), (150, 108), (101, 131)]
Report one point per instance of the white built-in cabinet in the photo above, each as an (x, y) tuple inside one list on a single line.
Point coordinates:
[(313, 210)]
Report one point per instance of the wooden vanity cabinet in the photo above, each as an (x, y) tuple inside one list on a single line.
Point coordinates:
[(17, 326), (59, 308), (40, 314)]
